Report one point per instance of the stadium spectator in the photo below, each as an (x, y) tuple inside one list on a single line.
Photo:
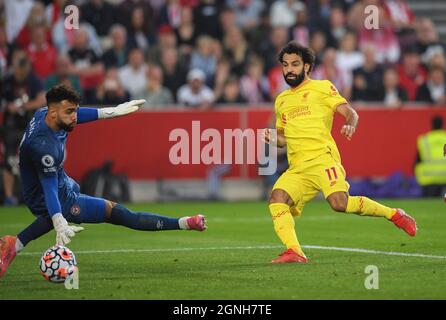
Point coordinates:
[(231, 92), (357, 13), (318, 43), (338, 27), (186, 33), (247, 12), (170, 13), (100, 14), (41, 53), (195, 94), (236, 49), (278, 37), (428, 43), (116, 56), (222, 73), (400, 14), (254, 85), (348, 57), (155, 94), (64, 74), (392, 95), (36, 18), (140, 34), (319, 16), (206, 18), (166, 40), (385, 42), (277, 83), (126, 7), (226, 20), (284, 12), (55, 11), (434, 89), (367, 80), (430, 166), (328, 70), (300, 31), (258, 38), (411, 73), (87, 65), (437, 60), (174, 72), (6, 50), (203, 58), (23, 93), (111, 91), (133, 75), (17, 13)]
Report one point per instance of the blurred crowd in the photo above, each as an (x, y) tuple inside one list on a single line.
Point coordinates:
[(210, 53)]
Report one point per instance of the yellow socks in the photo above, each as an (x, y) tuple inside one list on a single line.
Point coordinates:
[(284, 226), (366, 207)]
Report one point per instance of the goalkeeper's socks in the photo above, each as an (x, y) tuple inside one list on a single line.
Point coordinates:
[(366, 207), (122, 216), (18, 245), (284, 226), (38, 228)]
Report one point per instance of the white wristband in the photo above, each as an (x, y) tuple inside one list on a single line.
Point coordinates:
[(105, 113)]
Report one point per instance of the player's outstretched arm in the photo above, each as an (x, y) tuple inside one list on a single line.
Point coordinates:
[(351, 120), (277, 139), (120, 110), (64, 232)]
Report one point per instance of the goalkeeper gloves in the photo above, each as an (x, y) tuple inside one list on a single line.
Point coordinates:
[(63, 231), (121, 109)]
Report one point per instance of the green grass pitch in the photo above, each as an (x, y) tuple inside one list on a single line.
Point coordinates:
[(231, 259)]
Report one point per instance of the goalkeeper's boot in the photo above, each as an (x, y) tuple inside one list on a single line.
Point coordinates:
[(403, 221), (290, 256), (7, 253), (197, 222)]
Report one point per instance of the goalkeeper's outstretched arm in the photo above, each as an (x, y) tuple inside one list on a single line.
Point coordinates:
[(85, 115)]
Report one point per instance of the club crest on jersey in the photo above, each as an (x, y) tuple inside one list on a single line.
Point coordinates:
[(48, 161), (75, 210)]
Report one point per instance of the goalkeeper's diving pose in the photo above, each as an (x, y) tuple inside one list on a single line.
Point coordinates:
[(53, 197)]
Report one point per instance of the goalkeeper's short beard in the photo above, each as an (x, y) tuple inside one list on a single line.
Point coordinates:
[(66, 127)]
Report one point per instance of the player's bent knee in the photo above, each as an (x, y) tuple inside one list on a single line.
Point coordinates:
[(338, 202), (109, 205), (280, 196)]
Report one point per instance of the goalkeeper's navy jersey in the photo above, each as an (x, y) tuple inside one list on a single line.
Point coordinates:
[(42, 154)]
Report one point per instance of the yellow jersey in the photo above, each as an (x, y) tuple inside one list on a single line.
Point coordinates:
[(305, 113)]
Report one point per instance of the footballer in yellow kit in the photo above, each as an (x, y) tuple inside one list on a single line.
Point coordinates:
[(304, 119)]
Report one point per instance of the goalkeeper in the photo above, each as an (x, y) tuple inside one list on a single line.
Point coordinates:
[(53, 197)]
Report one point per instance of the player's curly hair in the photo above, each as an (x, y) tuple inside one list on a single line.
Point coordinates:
[(305, 53), (62, 92)]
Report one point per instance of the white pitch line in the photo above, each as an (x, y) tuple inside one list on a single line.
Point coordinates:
[(357, 250)]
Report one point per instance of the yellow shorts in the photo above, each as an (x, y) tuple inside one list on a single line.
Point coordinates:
[(303, 182)]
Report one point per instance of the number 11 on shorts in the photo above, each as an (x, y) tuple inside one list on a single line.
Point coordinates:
[(329, 174)]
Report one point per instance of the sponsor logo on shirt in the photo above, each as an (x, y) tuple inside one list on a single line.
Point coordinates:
[(299, 112)]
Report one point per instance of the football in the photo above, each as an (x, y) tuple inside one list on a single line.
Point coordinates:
[(57, 264)]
